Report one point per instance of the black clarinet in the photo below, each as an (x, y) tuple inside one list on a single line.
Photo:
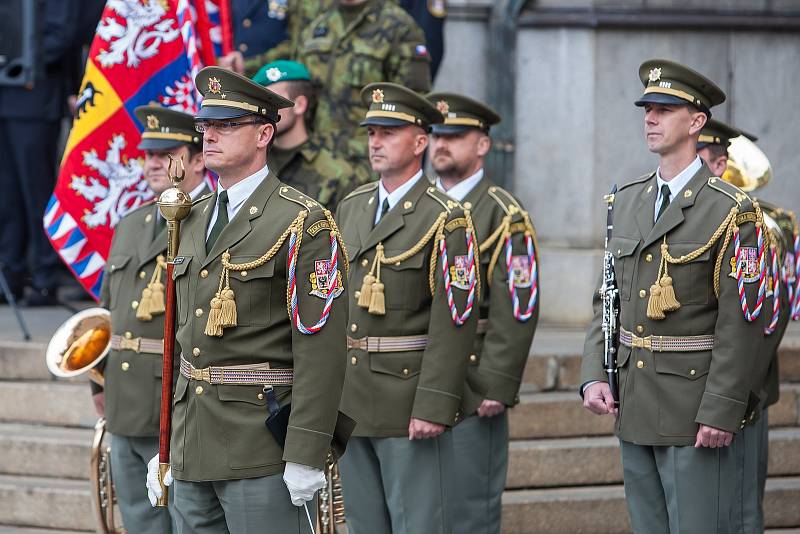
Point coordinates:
[(609, 293)]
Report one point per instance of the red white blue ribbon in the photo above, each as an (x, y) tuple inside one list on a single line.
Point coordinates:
[(794, 291), (333, 266), (533, 276), (776, 294), (762, 275), (460, 319)]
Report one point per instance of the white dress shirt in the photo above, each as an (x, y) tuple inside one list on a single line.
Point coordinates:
[(677, 184), (462, 188), (197, 191), (237, 194), (395, 196)]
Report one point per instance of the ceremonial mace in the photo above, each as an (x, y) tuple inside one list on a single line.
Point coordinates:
[(175, 206)]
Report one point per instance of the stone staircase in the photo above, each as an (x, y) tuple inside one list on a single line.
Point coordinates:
[(564, 472)]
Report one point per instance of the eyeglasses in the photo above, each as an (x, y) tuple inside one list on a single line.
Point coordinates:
[(222, 126)]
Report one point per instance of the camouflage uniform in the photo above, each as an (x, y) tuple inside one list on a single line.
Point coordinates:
[(383, 43), (313, 170)]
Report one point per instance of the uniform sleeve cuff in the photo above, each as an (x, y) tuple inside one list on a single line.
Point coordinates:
[(502, 387), (306, 447), (435, 406), (721, 412)]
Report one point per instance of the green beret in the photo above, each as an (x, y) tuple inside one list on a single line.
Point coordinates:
[(165, 128), (227, 95), (667, 82), (281, 70)]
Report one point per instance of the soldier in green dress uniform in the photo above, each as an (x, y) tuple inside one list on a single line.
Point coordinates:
[(508, 308), (133, 291), (261, 314), (687, 341), (412, 326)]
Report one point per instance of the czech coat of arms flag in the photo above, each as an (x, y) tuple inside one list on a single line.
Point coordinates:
[(144, 51)]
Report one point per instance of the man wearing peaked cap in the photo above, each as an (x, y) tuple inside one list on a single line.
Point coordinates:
[(298, 160), (712, 146), (411, 329), (687, 343), (257, 390), (458, 147), (130, 398)]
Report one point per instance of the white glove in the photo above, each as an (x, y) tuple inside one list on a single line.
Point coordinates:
[(302, 482), (153, 487)]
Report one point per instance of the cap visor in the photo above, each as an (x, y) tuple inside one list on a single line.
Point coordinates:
[(660, 98), (384, 121), (450, 129), (160, 144), (220, 112)]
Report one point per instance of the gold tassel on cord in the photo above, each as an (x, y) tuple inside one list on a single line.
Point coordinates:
[(668, 300), (654, 309), (213, 326), (377, 301), (366, 291), (227, 315), (143, 310), (152, 301)]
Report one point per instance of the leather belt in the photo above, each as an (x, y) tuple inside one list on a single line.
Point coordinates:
[(137, 344), (388, 344), (239, 375), (666, 343), (482, 326)]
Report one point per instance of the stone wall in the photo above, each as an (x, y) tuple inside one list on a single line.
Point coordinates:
[(577, 130)]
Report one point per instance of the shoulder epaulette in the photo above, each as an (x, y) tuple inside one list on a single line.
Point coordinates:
[(447, 202), (643, 178), (290, 193), (506, 200), (729, 190), (202, 198), (366, 188)]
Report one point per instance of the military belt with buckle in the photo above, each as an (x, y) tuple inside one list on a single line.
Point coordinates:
[(137, 344), (388, 344), (666, 343), (258, 374), (482, 326)]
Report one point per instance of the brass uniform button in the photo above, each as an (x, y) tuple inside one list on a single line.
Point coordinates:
[(640, 364), (648, 258), (243, 273), (692, 372), (640, 329), (247, 23), (125, 366), (353, 327), (243, 48), (198, 390), (142, 274), (357, 294), (204, 274), (260, 396), (135, 304), (198, 312), (353, 360), (364, 262), (195, 352), (405, 371), (128, 335), (642, 293), (473, 358), (467, 205)]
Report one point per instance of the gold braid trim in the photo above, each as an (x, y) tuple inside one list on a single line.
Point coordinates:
[(335, 231), (223, 306), (476, 253), (495, 235), (505, 231)]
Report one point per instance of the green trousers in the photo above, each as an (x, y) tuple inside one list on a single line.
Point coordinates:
[(481, 459), (245, 506), (129, 457), (683, 490), (398, 486), (755, 438)]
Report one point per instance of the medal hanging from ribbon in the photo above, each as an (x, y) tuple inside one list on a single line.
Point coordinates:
[(472, 277), (532, 275)]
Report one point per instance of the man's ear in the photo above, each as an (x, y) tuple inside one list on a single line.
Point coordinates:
[(484, 145), (265, 134), (300, 104), (420, 143), (699, 119)]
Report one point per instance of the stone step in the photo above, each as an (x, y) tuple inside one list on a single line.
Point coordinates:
[(557, 414), (4, 529), (49, 451), (602, 510), (53, 403), (592, 461), (46, 503)]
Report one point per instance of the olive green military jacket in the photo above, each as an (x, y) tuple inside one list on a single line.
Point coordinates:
[(383, 44), (316, 172), (384, 390), (664, 395), (132, 379), (502, 345), (218, 431)]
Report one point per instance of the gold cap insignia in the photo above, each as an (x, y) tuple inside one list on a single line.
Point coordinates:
[(655, 74), (377, 96), (253, 210), (152, 122), (214, 86), (443, 107)]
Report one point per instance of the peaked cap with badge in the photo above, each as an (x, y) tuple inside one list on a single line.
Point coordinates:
[(461, 113), (668, 82), (391, 104), (716, 132), (227, 95), (281, 70), (165, 128)]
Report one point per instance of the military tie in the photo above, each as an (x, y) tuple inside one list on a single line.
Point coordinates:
[(665, 192), (222, 220), (384, 209)]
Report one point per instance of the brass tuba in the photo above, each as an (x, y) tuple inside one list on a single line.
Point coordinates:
[(330, 505), (748, 166), (103, 494)]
